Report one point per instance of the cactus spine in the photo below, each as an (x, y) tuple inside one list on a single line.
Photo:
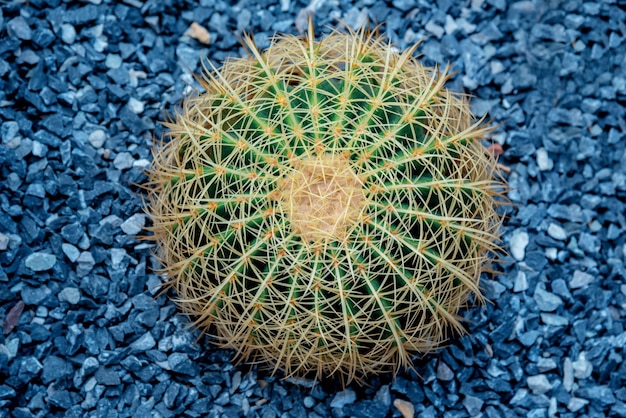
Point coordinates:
[(325, 207)]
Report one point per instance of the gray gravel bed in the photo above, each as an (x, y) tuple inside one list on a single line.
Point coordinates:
[(82, 87)]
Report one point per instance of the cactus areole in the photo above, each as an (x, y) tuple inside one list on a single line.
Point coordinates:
[(325, 207)]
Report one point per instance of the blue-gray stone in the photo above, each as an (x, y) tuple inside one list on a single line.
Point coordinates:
[(144, 302), (557, 232), (143, 411), (180, 363), (131, 363), (546, 301), (97, 138), (343, 398), (170, 395), (68, 33), (82, 15), (40, 261), (134, 224), (119, 75), (603, 395), (580, 280), (133, 122), (19, 28), (39, 333), (43, 37), (366, 409), (144, 343), (222, 399), (34, 295), (383, 395), (6, 392), (56, 124), (404, 5), (123, 161), (473, 405), (86, 263), (559, 287), (9, 130), (60, 398), (72, 232), (554, 320), (518, 242), (106, 376), (95, 285), (71, 252), (113, 61), (4, 67), (528, 338), (148, 317), (444, 372), (55, 368), (30, 366), (539, 384), (589, 243), (188, 56), (70, 295), (37, 190), (90, 365)]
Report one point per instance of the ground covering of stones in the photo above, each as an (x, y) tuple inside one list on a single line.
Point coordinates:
[(82, 88)]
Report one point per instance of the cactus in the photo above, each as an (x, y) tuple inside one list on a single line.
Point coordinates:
[(325, 207)]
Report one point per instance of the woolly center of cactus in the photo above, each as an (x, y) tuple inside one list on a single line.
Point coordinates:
[(322, 196)]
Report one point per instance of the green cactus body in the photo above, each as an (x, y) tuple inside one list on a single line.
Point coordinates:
[(326, 207)]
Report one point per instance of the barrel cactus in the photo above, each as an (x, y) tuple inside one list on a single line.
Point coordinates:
[(325, 207)]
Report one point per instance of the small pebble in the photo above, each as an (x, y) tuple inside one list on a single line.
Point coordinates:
[(517, 244), (117, 256), (546, 364), (576, 404), (199, 33), (343, 398), (580, 279), (19, 28), (547, 301), (97, 138), (134, 224), (521, 284), (68, 33), (40, 261), (86, 263), (568, 374), (554, 320), (9, 130), (544, 163), (135, 106), (539, 384), (557, 232), (444, 372), (144, 343), (473, 405), (383, 395), (71, 252), (70, 295), (435, 29), (113, 61), (582, 367), (123, 161), (4, 242)]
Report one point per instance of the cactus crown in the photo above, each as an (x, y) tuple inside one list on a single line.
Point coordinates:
[(325, 206)]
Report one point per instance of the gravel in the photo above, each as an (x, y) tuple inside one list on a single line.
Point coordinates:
[(83, 85)]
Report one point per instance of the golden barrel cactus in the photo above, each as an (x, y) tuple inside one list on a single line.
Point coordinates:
[(325, 207)]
